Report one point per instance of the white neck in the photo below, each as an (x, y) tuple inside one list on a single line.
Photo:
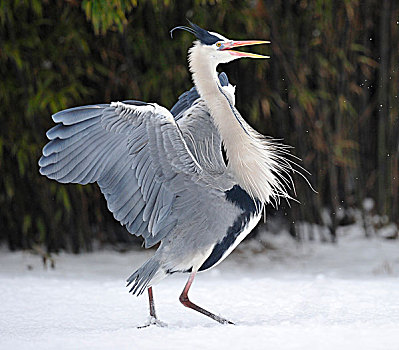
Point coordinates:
[(255, 162)]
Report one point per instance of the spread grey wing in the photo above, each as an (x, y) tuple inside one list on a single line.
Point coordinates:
[(136, 154)]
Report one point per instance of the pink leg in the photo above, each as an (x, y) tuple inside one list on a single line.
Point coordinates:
[(187, 303), (153, 316), (152, 305)]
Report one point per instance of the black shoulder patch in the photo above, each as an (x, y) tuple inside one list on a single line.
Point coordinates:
[(231, 235), (249, 207), (242, 199)]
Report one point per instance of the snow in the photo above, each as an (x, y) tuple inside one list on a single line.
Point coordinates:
[(280, 294)]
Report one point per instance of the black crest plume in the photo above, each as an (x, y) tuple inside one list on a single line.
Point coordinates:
[(202, 35)]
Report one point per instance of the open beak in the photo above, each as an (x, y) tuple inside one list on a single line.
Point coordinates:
[(234, 44)]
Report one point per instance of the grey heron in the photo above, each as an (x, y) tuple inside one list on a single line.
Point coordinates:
[(194, 179)]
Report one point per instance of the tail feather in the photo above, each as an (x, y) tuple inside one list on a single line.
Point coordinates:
[(145, 277)]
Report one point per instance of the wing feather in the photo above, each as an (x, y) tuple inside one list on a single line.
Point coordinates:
[(131, 151), (141, 156)]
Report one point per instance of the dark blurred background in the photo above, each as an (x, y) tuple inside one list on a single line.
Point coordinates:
[(330, 90)]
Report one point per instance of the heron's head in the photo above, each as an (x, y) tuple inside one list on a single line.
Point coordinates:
[(218, 48)]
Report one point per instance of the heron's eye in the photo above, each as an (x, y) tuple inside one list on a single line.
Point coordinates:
[(218, 44)]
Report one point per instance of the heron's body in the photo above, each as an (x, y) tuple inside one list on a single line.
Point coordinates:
[(164, 174)]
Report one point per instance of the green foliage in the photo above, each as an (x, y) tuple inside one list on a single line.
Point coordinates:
[(108, 15), (322, 91)]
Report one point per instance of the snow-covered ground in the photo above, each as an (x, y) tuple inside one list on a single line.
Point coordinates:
[(307, 296)]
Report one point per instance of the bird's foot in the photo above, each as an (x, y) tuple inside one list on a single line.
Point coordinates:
[(153, 321), (221, 320)]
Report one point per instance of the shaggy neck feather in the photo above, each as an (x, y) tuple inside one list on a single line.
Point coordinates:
[(254, 161)]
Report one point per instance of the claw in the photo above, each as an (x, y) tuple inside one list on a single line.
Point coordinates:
[(153, 321)]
